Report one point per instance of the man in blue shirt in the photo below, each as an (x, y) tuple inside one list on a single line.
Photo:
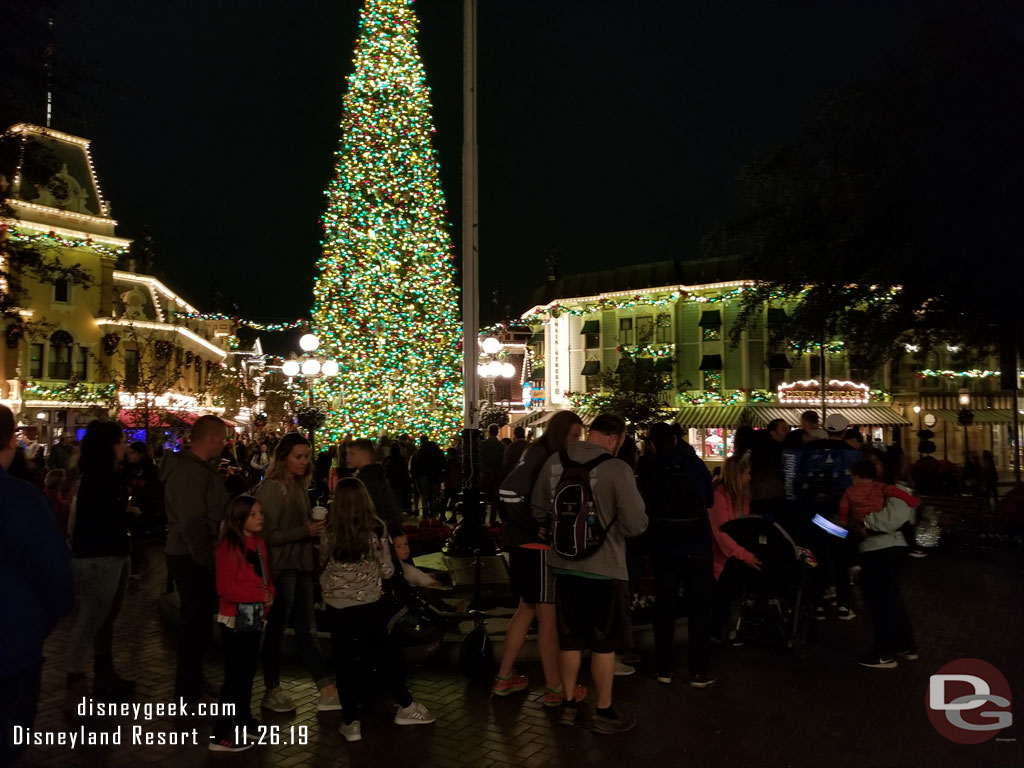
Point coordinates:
[(36, 582)]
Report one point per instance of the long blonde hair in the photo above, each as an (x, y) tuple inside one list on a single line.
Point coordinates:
[(351, 521), (278, 469), (731, 481)]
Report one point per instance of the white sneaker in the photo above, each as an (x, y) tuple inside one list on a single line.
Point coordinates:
[(277, 700), (414, 714), (328, 703), (623, 670), (352, 732)]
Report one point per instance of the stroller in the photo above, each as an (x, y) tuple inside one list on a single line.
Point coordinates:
[(774, 609)]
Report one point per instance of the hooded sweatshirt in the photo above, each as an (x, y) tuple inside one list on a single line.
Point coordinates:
[(614, 491)]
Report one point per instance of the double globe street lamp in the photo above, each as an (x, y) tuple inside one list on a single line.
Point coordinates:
[(492, 367), (309, 366)]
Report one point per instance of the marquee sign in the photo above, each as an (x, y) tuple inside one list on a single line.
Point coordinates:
[(836, 392)]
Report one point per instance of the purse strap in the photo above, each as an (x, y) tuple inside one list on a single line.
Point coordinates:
[(263, 567)]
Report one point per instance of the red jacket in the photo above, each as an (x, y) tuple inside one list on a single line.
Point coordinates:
[(237, 580)]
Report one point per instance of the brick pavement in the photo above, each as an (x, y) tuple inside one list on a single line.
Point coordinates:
[(765, 710)]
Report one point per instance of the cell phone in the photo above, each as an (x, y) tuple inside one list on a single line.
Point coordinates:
[(829, 527)]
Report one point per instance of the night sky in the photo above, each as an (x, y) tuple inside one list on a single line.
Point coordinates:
[(613, 131)]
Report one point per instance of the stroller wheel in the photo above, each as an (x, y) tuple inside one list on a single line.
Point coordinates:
[(475, 653)]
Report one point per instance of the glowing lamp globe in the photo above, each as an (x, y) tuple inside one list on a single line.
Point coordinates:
[(508, 370), (491, 345), (310, 367), (309, 343), (329, 368), (290, 368)]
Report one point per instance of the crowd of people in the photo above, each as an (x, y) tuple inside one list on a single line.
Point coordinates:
[(252, 547)]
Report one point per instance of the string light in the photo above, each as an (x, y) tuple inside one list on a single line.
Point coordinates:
[(385, 304)]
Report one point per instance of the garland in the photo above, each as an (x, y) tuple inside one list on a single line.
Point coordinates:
[(52, 239), (295, 325), (72, 392)]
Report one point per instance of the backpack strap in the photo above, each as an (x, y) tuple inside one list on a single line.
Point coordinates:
[(589, 466)]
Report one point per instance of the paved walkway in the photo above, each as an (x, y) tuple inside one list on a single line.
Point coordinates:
[(765, 710)]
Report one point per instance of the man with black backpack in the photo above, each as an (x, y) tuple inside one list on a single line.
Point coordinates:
[(676, 487), (593, 503)]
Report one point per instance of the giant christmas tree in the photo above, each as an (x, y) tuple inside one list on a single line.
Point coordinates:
[(386, 306)]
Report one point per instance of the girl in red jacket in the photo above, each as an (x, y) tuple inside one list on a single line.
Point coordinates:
[(243, 584)]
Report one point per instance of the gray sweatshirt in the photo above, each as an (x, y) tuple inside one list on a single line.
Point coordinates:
[(614, 489), (194, 499), (286, 516)]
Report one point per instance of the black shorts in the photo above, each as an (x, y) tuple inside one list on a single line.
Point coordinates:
[(592, 613), (529, 575)]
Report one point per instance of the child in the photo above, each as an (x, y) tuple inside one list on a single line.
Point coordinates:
[(413, 575), (243, 584), (356, 558), (867, 495)]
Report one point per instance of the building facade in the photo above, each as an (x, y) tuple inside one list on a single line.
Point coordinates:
[(83, 338), (681, 319)]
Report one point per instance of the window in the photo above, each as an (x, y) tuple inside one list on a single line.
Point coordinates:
[(815, 366), (644, 330), (199, 372), (131, 367), (712, 381), (35, 361), (663, 329), (592, 341), (81, 363), (62, 290), (592, 383), (61, 345), (626, 330)]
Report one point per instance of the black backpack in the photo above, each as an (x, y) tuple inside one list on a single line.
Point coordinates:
[(576, 530), (676, 506)]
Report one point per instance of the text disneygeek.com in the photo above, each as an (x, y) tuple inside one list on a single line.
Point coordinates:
[(94, 735)]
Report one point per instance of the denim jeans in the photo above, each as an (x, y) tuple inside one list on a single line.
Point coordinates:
[(100, 583), (881, 572), (197, 593), (696, 571), (359, 634), (293, 599), (241, 654)]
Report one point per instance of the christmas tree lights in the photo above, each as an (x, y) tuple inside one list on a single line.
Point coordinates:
[(385, 303)]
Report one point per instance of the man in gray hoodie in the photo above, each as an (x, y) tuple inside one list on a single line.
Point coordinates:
[(592, 593), (194, 500)]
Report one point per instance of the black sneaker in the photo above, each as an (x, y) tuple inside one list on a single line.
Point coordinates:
[(620, 724), (569, 713), (229, 745), (910, 654), (699, 680), (874, 661)]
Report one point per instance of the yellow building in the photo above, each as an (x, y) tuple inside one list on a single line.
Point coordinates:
[(93, 340)]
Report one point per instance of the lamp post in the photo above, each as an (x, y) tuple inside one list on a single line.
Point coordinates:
[(310, 367), (492, 366), (966, 416)]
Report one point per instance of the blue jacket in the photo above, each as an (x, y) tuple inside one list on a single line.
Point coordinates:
[(35, 574)]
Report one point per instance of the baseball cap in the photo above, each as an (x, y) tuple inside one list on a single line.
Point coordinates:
[(836, 422)]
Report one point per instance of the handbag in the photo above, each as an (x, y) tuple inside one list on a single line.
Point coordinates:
[(249, 616)]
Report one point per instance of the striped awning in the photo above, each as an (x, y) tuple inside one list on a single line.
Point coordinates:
[(711, 416), (860, 416), (528, 419), (982, 416)]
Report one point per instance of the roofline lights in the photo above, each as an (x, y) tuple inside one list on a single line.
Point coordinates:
[(120, 242), (153, 283), (186, 332)]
